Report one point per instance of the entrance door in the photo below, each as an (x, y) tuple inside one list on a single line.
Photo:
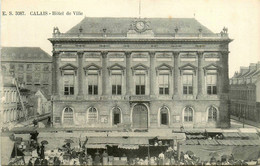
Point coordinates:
[(140, 116)]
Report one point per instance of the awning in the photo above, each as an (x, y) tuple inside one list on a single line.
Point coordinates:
[(249, 135), (194, 131), (96, 146), (190, 142), (231, 135), (128, 146), (118, 140), (208, 142), (195, 136), (239, 142)]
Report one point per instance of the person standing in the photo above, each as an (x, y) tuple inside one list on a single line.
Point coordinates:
[(161, 158), (97, 159), (105, 158), (42, 152)]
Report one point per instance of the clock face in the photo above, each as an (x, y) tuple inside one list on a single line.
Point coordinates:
[(140, 25)]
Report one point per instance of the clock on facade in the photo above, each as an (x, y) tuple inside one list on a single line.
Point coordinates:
[(140, 26)]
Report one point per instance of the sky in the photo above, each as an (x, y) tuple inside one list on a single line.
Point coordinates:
[(241, 17)]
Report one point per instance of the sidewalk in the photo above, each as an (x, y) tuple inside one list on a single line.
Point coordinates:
[(249, 122)]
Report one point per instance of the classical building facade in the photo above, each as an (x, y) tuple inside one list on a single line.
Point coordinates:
[(140, 73), (30, 65), (245, 93)]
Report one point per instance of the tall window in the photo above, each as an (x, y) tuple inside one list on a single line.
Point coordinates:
[(45, 67), (164, 84), (20, 77), (12, 67), (92, 115), (188, 114), (140, 84), (68, 116), (187, 84), (45, 79), (116, 116), (37, 78), (93, 84), (20, 67), (116, 84), (212, 114), (212, 84), (164, 116), (29, 78), (29, 67), (68, 84)]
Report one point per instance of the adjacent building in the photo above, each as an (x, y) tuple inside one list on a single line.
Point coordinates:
[(140, 73), (11, 109), (245, 93), (30, 65)]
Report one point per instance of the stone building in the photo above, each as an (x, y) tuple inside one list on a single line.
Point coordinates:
[(140, 73), (30, 65), (10, 108), (245, 93)]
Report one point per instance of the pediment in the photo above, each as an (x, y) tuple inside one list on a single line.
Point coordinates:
[(68, 67), (140, 67), (188, 67), (164, 66), (92, 66), (211, 66), (116, 66)]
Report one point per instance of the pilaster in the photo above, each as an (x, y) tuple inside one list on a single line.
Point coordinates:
[(176, 77), (200, 75), (129, 77), (105, 88), (80, 74), (152, 73), (55, 72)]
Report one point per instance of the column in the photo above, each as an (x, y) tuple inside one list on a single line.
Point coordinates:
[(129, 76), (55, 72), (152, 73), (80, 72), (200, 74), (176, 74), (105, 88)]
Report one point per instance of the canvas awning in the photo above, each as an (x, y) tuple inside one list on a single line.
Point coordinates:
[(231, 135), (128, 146), (249, 135), (239, 142), (195, 136), (208, 142)]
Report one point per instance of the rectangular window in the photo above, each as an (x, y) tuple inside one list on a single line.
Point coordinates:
[(20, 67), (37, 78), (187, 84), (140, 84), (37, 67), (163, 84), (45, 79), (28, 78), (93, 84), (46, 67), (212, 84), (68, 81), (12, 67), (116, 84), (29, 67), (20, 77)]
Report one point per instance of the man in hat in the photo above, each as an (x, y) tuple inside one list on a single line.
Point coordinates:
[(97, 159)]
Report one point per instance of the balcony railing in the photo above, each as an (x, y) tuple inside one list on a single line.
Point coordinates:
[(156, 35)]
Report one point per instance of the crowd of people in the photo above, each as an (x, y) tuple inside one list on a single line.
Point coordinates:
[(78, 155)]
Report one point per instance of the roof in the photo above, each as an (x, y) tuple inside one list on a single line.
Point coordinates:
[(122, 25), (24, 54)]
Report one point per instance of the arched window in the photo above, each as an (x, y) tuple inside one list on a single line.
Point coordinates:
[(68, 116), (164, 117), (116, 116), (5, 116), (9, 116), (92, 115), (188, 114), (212, 114)]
